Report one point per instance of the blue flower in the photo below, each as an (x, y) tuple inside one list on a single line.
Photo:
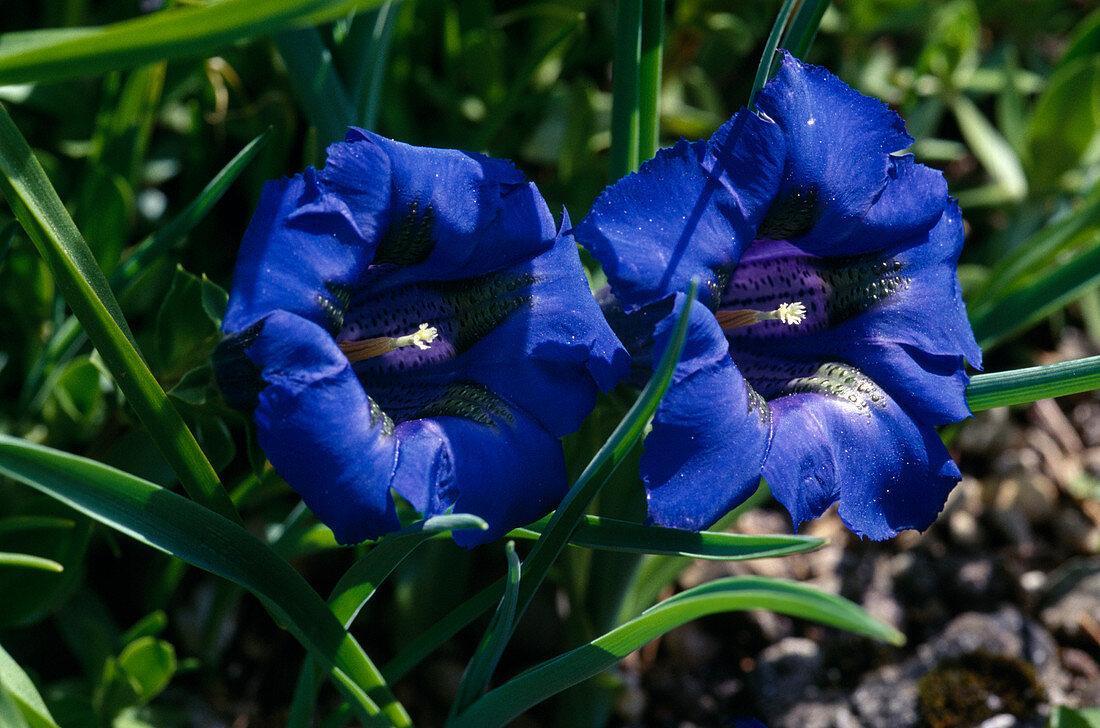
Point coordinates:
[(409, 319), (833, 335)]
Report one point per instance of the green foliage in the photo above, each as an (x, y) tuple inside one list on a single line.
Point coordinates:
[(127, 218)]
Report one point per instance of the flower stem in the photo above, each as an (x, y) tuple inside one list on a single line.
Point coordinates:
[(624, 93), (1020, 386)]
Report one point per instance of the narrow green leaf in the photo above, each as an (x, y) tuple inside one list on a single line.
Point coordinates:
[(721, 595), (624, 91), (180, 31), (415, 650), (10, 714), (484, 662), (1040, 251), (157, 244), (1049, 292), (14, 524), (27, 561), (572, 508), (178, 526), (15, 682), (613, 535), (996, 155), (367, 87), (1021, 386), (767, 58), (358, 585), (803, 29), (85, 288), (150, 663), (649, 78), (321, 94)]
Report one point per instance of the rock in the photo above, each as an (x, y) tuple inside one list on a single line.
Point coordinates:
[(887, 697), (1073, 600), (828, 710), (784, 673)]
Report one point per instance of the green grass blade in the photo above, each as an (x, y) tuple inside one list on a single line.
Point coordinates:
[(368, 46), (572, 508), (654, 573), (1046, 293), (767, 58), (624, 91), (67, 337), (154, 246), (480, 668), (415, 650), (803, 29), (721, 595), (609, 534), (86, 290), (184, 529), (27, 561), (1021, 386), (649, 78), (15, 682), (358, 585), (1040, 251), (321, 94), (180, 31), (996, 155)]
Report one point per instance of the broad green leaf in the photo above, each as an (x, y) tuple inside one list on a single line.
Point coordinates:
[(26, 561), (1064, 717), (23, 694), (721, 595), (10, 714), (1021, 386), (186, 333), (150, 663), (614, 535), (85, 288), (179, 31), (1065, 120), (178, 526), (150, 625)]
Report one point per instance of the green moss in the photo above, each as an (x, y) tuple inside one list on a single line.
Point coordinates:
[(966, 690)]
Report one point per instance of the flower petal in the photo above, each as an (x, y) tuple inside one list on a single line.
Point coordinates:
[(321, 432), (509, 472), (477, 214), (899, 317), (840, 179), (687, 213), (710, 432), (841, 437), (294, 262)]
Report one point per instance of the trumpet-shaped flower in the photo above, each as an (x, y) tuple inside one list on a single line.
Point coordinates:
[(833, 335), (409, 319)]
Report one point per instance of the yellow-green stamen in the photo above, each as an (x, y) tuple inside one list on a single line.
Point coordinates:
[(791, 314), (369, 348)]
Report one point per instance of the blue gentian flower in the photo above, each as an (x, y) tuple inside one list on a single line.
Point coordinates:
[(409, 319), (833, 334)]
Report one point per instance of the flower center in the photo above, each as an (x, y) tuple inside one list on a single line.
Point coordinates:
[(791, 314), (369, 348)]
